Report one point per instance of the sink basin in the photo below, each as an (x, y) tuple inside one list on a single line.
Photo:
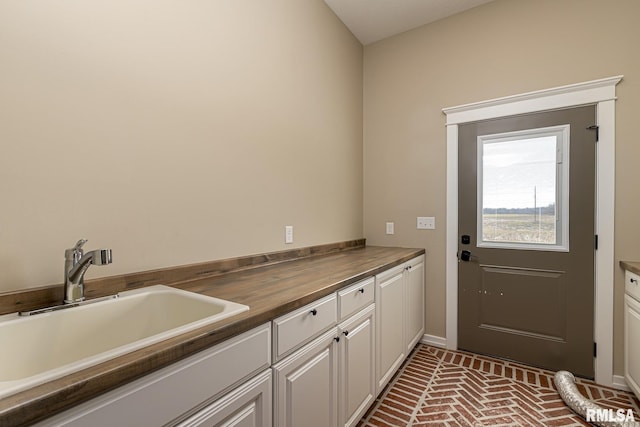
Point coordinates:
[(46, 346)]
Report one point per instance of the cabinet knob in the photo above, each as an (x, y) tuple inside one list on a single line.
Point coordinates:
[(337, 339), (314, 312), (361, 290), (632, 280), (345, 333)]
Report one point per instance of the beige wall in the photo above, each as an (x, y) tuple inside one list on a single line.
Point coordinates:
[(502, 48), (174, 132)]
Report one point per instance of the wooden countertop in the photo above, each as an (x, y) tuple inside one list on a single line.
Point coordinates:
[(269, 291), (632, 266)]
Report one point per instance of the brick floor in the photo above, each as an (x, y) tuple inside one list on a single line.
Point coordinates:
[(437, 387)]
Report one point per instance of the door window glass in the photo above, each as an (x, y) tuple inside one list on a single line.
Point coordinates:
[(523, 179)]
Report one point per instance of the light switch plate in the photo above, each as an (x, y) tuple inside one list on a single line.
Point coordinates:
[(426, 223)]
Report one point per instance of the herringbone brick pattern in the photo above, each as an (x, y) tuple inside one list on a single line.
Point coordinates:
[(439, 387)]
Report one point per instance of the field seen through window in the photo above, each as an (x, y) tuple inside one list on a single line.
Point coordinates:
[(519, 227)]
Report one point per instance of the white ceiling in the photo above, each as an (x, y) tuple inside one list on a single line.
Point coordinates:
[(373, 20)]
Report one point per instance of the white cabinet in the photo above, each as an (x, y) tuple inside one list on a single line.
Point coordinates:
[(356, 376), (177, 391), (305, 385), (632, 332), (399, 316), (305, 382), (330, 381)]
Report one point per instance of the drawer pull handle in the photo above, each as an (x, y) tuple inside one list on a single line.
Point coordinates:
[(314, 312), (346, 333), (361, 290)]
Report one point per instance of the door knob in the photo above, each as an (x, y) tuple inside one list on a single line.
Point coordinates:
[(465, 256)]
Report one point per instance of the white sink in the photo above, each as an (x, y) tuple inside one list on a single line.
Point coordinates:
[(42, 347)]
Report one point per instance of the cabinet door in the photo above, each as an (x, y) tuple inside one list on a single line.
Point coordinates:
[(305, 385), (390, 341), (357, 369), (632, 343), (414, 302), (247, 406)]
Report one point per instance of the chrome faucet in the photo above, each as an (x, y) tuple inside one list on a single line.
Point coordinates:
[(76, 263)]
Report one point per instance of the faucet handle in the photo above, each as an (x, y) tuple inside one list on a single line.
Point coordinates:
[(76, 252), (79, 244)]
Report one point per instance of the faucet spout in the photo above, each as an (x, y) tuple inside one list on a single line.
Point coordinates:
[(97, 257), (76, 265)]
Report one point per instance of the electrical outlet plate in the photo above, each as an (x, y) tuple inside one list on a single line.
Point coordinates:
[(426, 223), (288, 234), (390, 228)]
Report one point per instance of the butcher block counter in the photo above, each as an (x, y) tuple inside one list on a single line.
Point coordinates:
[(632, 266), (270, 284)]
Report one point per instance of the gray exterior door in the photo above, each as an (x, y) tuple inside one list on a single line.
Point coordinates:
[(526, 197)]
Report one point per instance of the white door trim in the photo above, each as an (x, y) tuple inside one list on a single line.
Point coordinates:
[(599, 92)]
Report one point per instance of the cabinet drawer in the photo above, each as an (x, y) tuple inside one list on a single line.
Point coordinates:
[(632, 284), (355, 297), (298, 327)]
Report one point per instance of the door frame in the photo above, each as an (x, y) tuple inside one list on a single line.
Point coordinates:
[(600, 93)]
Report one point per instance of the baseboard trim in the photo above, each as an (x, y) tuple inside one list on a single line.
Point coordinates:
[(434, 341), (619, 383)]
